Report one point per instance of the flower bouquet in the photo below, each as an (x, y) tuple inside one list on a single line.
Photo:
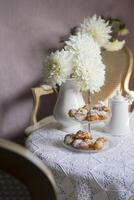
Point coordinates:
[(78, 66)]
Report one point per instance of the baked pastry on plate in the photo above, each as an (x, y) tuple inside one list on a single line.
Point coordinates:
[(90, 113), (83, 140)]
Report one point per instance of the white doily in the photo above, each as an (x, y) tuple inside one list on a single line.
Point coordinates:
[(107, 175)]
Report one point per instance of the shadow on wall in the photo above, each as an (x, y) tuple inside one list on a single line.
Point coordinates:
[(23, 101)]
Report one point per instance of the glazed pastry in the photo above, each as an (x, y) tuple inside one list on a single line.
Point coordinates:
[(86, 107), (76, 143), (106, 109), (82, 110), (72, 112), (102, 139), (101, 107), (102, 116), (80, 116), (81, 113), (94, 113), (84, 145), (87, 144), (82, 135), (89, 141), (98, 106), (69, 138), (99, 114), (103, 113), (98, 145), (83, 140), (92, 116)]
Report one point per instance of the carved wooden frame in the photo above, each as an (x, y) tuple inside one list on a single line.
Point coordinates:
[(45, 90)]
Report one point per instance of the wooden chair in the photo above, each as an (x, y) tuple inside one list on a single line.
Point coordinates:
[(23, 176), (119, 67)]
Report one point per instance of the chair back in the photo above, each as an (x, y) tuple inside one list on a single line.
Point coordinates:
[(119, 66), (23, 176)]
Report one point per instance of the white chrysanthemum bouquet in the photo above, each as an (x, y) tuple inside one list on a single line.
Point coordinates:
[(81, 59)]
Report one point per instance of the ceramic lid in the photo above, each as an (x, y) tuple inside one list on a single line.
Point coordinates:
[(118, 97)]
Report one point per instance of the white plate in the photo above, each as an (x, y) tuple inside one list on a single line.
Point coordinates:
[(91, 122), (109, 144)]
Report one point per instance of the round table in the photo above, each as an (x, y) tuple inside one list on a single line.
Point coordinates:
[(107, 175)]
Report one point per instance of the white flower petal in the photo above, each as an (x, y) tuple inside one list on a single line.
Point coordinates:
[(57, 67), (88, 70), (98, 28), (82, 43), (115, 45), (81, 60)]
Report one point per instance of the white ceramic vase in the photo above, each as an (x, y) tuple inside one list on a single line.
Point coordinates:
[(69, 97)]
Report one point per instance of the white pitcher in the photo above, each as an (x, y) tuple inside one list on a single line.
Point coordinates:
[(119, 122), (69, 97)]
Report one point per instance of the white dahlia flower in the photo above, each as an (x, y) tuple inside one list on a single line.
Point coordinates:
[(98, 28), (115, 45), (81, 60), (89, 73), (82, 43), (57, 67)]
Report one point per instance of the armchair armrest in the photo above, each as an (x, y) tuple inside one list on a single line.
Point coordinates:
[(45, 89), (37, 93)]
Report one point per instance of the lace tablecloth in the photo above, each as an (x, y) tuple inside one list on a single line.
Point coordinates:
[(107, 175)]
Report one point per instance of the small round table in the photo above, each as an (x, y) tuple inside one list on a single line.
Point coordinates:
[(107, 175)]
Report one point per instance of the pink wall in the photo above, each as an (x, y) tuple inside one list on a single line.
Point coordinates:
[(29, 29)]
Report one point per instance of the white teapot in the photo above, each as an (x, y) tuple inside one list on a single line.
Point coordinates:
[(119, 123)]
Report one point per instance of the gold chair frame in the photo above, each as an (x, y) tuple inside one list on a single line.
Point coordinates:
[(38, 92)]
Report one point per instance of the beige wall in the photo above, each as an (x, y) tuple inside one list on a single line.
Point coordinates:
[(29, 29)]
